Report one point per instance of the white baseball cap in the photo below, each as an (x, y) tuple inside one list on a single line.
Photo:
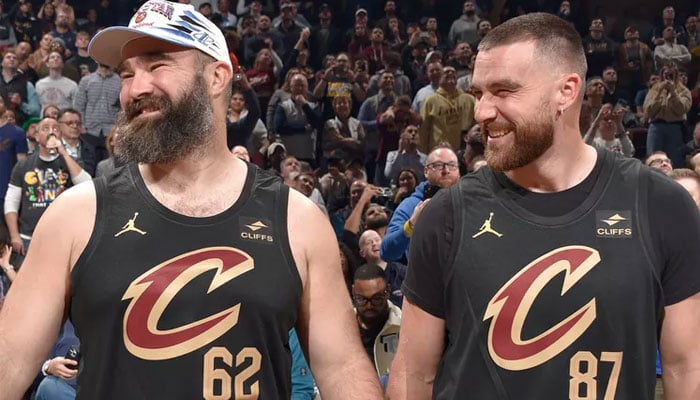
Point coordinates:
[(172, 23)]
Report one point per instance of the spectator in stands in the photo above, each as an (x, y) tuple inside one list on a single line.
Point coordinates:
[(392, 63), (600, 50), (13, 148), (7, 31), (97, 99), (81, 60), (369, 111), (666, 106), (414, 66), (37, 181), (406, 156), (482, 28), (660, 161), (434, 73), (613, 93), (441, 171), (56, 89), (390, 125), (305, 182), (259, 38), (634, 61), (369, 244), (290, 24), (58, 371), (461, 59), (50, 111), (243, 124), (641, 95), (297, 122), (690, 38), (378, 318), (389, 14), (334, 187), (376, 50), (64, 31), (27, 28), (41, 54), (607, 132), (298, 57), (669, 52), (47, 17), (343, 135), (360, 39), (690, 180), (276, 153), (23, 51), (668, 17), (395, 38), (325, 37), (224, 18), (446, 115), (338, 80), (693, 144), (262, 76), (280, 95), (16, 91), (109, 164), (464, 28), (80, 146)]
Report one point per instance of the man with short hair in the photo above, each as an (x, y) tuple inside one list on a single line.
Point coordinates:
[(378, 318), (16, 90), (406, 156), (370, 109), (434, 71), (64, 31), (37, 181), (56, 89), (690, 181), (600, 49), (392, 63), (97, 99), (464, 28), (224, 17), (634, 61), (81, 60), (446, 115), (532, 273), (670, 53), (441, 172), (240, 268), (659, 160), (254, 43), (77, 145), (369, 245)]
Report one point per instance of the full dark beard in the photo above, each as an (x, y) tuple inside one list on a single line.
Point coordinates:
[(531, 140), (182, 128), (377, 222)]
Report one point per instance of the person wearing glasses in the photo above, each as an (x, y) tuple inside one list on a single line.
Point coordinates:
[(82, 147), (36, 182), (659, 160), (378, 318), (441, 171)]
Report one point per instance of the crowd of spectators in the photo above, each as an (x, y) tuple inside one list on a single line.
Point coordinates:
[(363, 106)]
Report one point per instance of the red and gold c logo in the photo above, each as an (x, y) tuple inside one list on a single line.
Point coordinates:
[(151, 293)]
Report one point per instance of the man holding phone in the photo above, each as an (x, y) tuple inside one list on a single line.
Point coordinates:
[(667, 104), (441, 171)]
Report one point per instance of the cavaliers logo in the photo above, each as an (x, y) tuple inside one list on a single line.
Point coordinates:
[(511, 305), (151, 293), (140, 16)]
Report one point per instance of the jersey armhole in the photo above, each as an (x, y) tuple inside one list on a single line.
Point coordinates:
[(92, 244), (282, 200)]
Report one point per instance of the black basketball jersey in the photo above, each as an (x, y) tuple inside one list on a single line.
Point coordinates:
[(174, 307), (536, 307)]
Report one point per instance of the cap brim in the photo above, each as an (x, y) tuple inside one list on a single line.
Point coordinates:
[(107, 47)]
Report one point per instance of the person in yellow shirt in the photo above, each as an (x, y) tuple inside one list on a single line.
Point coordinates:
[(446, 114)]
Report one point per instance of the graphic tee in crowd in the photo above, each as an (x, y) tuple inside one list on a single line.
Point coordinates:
[(41, 182)]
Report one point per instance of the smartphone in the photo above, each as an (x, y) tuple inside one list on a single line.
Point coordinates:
[(429, 191), (73, 353)]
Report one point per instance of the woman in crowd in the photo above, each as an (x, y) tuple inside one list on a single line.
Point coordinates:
[(238, 120), (262, 76), (407, 182)]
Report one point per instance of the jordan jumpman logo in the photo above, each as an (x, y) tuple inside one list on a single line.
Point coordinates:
[(131, 226), (486, 228)]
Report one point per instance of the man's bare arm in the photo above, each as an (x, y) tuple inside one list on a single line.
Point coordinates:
[(680, 352), (326, 325), (421, 344), (36, 306)]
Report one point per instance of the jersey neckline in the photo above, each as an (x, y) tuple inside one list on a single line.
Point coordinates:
[(176, 217), (601, 174)]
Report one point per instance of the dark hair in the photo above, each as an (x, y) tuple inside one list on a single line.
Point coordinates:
[(555, 39), (393, 59), (368, 272), (411, 171), (402, 100), (69, 110)]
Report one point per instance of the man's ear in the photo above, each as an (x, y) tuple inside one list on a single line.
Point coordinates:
[(220, 78), (569, 90)]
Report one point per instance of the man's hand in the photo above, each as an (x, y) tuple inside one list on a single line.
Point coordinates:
[(17, 245), (53, 142), (305, 33), (368, 193), (417, 211), (604, 113), (59, 366)]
